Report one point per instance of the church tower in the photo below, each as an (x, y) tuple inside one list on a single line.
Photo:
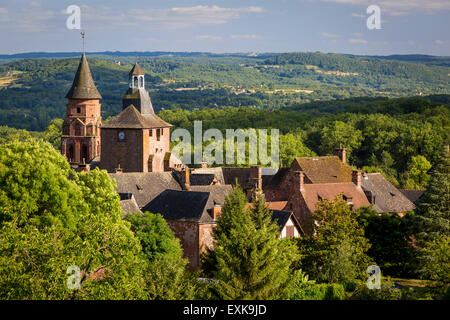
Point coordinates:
[(80, 140), (137, 140)]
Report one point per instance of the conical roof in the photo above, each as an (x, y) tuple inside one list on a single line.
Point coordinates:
[(83, 86), (136, 70)]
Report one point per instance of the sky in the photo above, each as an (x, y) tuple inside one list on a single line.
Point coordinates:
[(227, 26)]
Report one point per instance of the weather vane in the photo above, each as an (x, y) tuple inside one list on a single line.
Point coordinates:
[(82, 36)]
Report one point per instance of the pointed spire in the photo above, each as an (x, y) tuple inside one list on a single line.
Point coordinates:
[(136, 71), (83, 86)]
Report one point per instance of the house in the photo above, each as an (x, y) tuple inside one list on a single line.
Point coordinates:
[(287, 222), (192, 216), (308, 180), (384, 196)]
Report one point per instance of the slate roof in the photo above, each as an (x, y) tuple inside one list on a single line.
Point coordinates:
[(181, 205), (136, 70), (312, 193), (329, 169), (145, 186), (201, 179), (281, 217), (218, 193), (230, 174), (412, 195), (131, 118), (140, 98), (387, 197), (216, 171), (130, 206), (83, 86)]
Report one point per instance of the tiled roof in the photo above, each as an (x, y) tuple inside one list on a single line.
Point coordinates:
[(312, 193), (140, 98), (412, 195), (131, 118), (387, 197), (83, 86), (329, 169), (181, 205), (145, 186)]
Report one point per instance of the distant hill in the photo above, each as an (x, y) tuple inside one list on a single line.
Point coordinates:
[(33, 85)]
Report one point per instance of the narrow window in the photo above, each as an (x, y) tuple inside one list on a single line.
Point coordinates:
[(78, 110)]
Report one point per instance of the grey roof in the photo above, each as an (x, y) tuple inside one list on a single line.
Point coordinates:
[(140, 98), (181, 205), (201, 179), (230, 174), (131, 118), (413, 195), (145, 186), (129, 206), (218, 193), (83, 86), (387, 197), (281, 217), (216, 171)]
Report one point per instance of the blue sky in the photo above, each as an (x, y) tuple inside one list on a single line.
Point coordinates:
[(407, 26)]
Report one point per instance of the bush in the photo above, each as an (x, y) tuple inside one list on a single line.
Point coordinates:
[(323, 291), (386, 292)]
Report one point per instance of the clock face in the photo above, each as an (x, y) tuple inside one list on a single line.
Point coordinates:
[(121, 135)]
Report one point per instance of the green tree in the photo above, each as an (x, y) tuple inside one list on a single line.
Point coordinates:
[(49, 222), (418, 173), (340, 133), (337, 250), (53, 132), (435, 260), (166, 275), (291, 146), (251, 261), (433, 212)]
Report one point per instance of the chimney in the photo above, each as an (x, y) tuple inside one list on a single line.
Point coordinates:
[(216, 211), (356, 178), (119, 169), (341, 153), (300, 175), (187, 181), (256, 177)]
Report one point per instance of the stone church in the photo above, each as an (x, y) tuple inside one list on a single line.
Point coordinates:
[(136, 140)]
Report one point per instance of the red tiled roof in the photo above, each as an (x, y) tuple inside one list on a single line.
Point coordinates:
[(328, 169), (312, 193)]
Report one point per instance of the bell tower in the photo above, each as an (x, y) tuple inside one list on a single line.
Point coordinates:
[(80, 140)]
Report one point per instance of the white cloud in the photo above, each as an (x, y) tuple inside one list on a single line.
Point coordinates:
[(397, 7), (353, 41), (358, 15), (439, 42), (330, 35), (208, 37), (184, 17), (246, 36), (411, 43), (26, 19)]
